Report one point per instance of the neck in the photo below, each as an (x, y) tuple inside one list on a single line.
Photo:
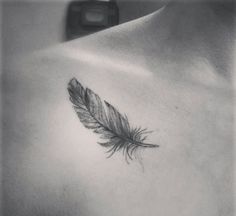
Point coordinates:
[(183, 31)]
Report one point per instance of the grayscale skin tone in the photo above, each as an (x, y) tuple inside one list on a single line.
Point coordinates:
[(172, 72)]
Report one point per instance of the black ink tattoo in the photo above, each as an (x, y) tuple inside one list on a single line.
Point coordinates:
[(106, 121)]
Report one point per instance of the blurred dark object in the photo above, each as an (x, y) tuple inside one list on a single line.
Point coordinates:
[(86, 17)]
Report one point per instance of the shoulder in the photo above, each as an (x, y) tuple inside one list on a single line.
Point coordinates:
[(107, 49), (96, 60)]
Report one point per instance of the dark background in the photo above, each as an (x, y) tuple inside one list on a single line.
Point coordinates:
[(31, 25)]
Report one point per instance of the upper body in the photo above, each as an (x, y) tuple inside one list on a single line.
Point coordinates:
[(172, 72)]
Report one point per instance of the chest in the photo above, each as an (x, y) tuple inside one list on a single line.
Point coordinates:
[(192, 119)]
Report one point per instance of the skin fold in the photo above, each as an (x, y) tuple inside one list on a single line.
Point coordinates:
[(172, 72)]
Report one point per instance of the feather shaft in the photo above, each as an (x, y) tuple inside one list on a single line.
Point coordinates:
[(105, 120)]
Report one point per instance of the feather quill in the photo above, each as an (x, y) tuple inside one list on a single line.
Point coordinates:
[(105, 120)]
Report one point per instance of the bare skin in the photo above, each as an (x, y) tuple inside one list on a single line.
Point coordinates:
[(170, 71)]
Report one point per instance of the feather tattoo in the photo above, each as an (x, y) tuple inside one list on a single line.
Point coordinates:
[(104, 119)]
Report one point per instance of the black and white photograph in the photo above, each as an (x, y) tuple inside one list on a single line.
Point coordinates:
[(117, 107)]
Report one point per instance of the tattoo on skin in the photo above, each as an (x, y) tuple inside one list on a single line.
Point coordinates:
[(104, 119)]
